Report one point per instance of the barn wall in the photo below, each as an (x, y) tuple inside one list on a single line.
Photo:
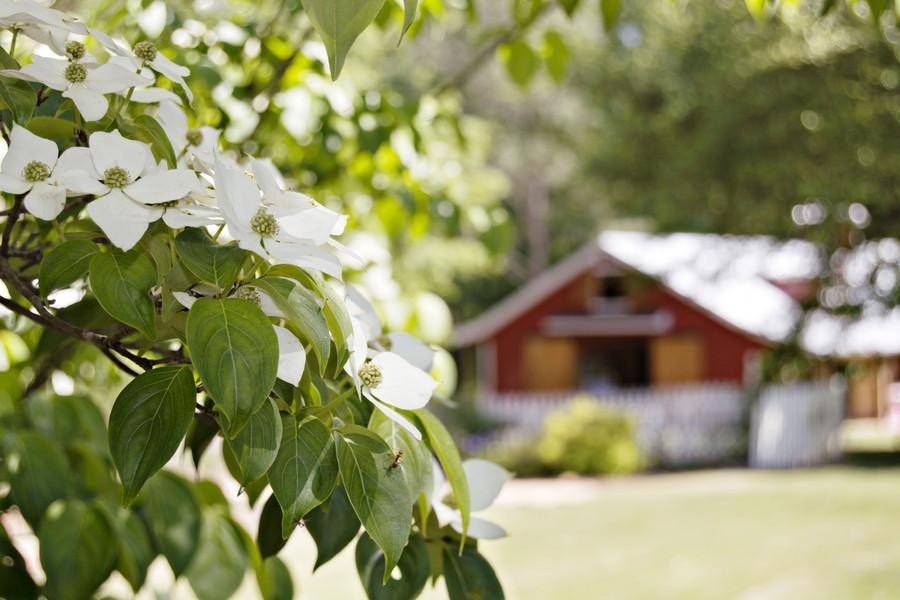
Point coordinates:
[(721, 350)]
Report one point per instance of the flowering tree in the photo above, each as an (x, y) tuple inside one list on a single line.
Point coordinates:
[(218, 288)]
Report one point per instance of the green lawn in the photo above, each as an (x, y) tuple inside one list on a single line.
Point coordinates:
[(830, 533)]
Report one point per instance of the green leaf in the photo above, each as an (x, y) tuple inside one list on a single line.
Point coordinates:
[(337, 318), (269, 538), (199, 436), (443, 446), (414, 569), (556, 55), (69, 420), (378, 493), (52, 128), (19, 98), (521, 62), (221, 561), (235, 351), (469, 575), (15, 582), (569, 6), (332, 526), (277, 583), (339, 23), (121, 282), (172, 512), (147, 129), (78, 550), (211, 262), (303, 313), (610, 10), (409, 15), (254, 448), (827, 7), (305, 471), (39, 473), (65, 264), (415, 461), (135, 548), (148, 421)]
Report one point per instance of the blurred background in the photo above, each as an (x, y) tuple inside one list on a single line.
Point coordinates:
[(658, 241)]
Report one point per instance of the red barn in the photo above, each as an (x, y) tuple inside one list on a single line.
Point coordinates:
[(635, 310)]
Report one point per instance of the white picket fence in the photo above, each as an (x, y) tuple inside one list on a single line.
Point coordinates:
[(703, 424), (797, 425)]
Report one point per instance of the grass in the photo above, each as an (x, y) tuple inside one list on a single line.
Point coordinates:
[(829, 533)]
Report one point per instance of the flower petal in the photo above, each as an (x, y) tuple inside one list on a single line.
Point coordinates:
[(163, 186), (396, 417), (77, 159), (110, 78), (25, 147), (291, 356), (13, 184), (480, 529), (307, 256), (42, 69), (414, 351), (153, 95), (314, 224), (486, 479), (112, 150), (402, 385), (123, 220), (91, 104), (45, 201), (238, 198), (184, 299), (268, 178), (179, 217)]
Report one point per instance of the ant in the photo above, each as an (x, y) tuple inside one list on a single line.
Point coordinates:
[(398, 459)]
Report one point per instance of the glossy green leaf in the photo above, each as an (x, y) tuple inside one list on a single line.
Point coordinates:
[(213, 263), (121, 282), (332, 525), (148, 421), (277, 583), (221, 561), (414, 457), (66, 264), (254, 448), (235, 351), (269, 538), (521, 62), (409, 15), (339, 23), (556, 55), (414, 569), (19, 98), (133, 543), (610, 9), (147, 129), (172, 512), (69, 420), (52, 128), (301, 308), (78, 550), (444, 448), (469, 575), (39, 473), (305, 471), (377, 492)]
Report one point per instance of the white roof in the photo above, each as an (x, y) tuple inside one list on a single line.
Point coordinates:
[(732, 278)]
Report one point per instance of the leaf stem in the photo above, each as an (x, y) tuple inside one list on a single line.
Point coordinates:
[(12, 45)]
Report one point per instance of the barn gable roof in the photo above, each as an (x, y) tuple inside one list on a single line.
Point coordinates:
[(733, 279)]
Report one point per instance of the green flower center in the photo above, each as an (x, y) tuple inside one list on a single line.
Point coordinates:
[(194, 137), (116, 177), (75, 73), (145, 51), (249, 294), (264, 224), (370, 375), (74, 50), (35, 171)]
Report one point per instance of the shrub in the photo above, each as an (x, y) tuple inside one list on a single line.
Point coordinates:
[(589, 439)]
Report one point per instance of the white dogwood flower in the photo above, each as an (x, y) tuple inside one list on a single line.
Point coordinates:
[(200, 143), (266, 229), (145, 54), (485, 480), (85, 83), (132, 190), (30, 165), (40, 22)]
